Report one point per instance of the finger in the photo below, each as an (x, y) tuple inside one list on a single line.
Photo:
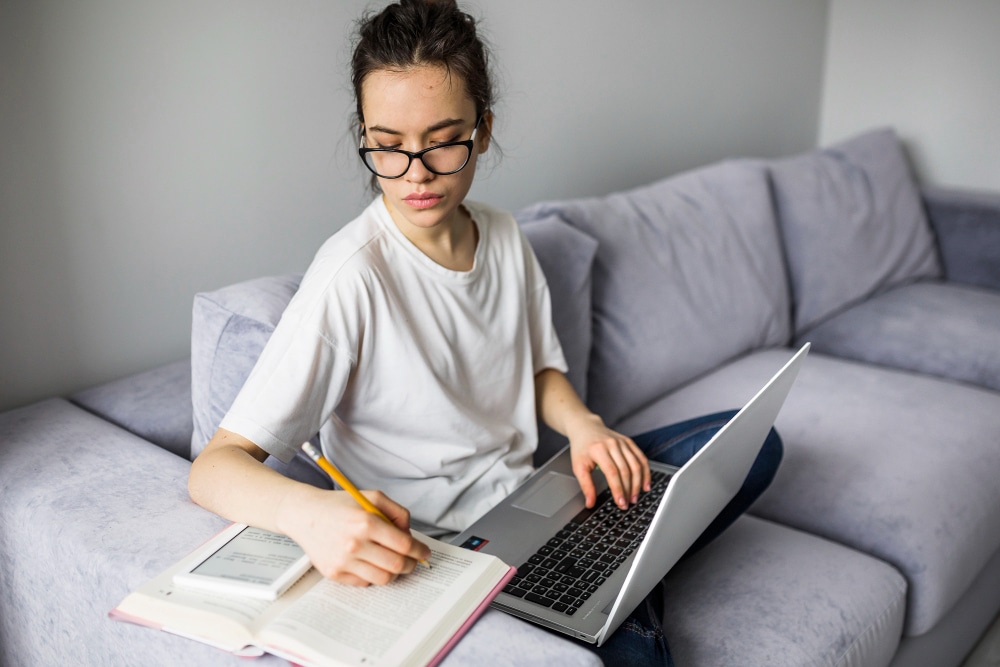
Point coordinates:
[(612, 475), (582, 471), (624, 474), (647, 475), (398, 543), (396, 513), (369, 573), (349, 579), (637, 475)]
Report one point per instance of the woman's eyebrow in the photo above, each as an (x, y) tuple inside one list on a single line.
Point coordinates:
[(440, 125)]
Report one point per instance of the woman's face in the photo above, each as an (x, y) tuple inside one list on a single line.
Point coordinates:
[(412, 110)]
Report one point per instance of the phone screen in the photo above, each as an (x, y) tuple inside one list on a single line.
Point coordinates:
[(254, 556)]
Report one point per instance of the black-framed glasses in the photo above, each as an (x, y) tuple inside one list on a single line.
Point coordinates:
[(443, 159)]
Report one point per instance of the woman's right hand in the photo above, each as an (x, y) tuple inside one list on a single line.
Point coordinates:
[(343, 541), (347, 543)]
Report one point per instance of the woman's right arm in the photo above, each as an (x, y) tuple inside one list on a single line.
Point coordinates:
[(344, 542)]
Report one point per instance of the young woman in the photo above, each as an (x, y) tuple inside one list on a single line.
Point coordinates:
[(420, 344)]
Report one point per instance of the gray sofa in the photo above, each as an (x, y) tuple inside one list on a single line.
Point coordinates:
[(878, 542)]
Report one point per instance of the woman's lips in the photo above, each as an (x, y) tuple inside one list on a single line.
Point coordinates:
[(422, 199)]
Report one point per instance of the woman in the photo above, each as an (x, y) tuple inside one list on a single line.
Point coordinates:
[(420, 344)]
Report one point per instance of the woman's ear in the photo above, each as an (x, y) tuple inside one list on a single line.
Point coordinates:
[(485, 132)]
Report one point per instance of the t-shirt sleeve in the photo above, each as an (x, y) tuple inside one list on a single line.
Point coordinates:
[(298, 380), (546, 351)]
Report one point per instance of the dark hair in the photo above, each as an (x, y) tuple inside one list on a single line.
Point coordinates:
[(423, 32)]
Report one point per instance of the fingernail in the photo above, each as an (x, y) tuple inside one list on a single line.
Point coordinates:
[(621, 503), (635, 499)]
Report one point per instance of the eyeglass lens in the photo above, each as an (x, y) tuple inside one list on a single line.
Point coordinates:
[(440, 160)]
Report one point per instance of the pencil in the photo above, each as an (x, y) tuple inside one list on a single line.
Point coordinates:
[(345, 484)]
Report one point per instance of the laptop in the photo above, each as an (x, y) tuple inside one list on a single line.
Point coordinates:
[(582, 571)]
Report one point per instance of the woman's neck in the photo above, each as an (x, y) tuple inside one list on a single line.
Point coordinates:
[(452, 244)]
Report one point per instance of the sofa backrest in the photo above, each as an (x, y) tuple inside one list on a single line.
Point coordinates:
[(852, 223), (689, 273)]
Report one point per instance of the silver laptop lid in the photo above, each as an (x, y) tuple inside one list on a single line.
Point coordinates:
[(700, 490)]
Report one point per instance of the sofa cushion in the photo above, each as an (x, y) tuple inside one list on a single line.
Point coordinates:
[(966, 225), (566, 256), (689, 273), (229, 329), (900, 466), (155, 405), (852, 222), (766, 594), (934, 328)]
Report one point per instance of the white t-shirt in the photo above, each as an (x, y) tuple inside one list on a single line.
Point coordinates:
[(419, 379)]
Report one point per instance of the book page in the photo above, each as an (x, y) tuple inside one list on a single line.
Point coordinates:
[(335, 623)]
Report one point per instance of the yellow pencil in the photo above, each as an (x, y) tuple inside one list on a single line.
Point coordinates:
[(345, 483)]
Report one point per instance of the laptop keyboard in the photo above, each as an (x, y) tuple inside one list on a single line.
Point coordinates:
[(573, 564)]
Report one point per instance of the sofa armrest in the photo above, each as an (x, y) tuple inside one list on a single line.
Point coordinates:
[(967, 225), (155, 405), (90, 512)]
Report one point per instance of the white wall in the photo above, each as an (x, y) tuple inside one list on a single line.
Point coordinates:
[(929, 68), (152, 150)]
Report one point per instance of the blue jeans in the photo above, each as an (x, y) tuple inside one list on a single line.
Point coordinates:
[(640, 639)]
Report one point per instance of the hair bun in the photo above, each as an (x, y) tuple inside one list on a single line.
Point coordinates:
[(444, 3)]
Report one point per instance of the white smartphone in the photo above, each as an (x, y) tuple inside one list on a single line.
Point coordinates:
[(253, 562)]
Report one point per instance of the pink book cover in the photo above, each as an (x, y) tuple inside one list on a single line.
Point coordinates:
[(473, 617)]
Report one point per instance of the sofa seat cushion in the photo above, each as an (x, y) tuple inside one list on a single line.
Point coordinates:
[(941, 329), (765, 594), (852, 222), (155, 405), (83, 525), (689, 270), (900, 466)]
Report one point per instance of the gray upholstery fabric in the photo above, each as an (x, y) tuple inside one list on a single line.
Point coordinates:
[(155, 405), (942, 329), (689, 270), (83, 525), (229, 329), (566, 256), (896, 465), (89, 512), (967, 226), (852, 223), (824, 604)]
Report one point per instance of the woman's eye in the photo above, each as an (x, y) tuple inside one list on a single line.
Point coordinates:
[(448, 140)]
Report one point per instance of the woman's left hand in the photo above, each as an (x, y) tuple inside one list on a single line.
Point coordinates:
[(625, 467)]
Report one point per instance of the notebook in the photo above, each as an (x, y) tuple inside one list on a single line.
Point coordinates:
[(582, 572)]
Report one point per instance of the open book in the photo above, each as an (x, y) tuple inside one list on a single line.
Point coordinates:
[(414, 620)]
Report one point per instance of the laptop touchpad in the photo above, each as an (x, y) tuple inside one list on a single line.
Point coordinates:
[(549, 494)]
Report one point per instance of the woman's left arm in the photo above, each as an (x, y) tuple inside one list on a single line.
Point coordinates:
[(592, 444)]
